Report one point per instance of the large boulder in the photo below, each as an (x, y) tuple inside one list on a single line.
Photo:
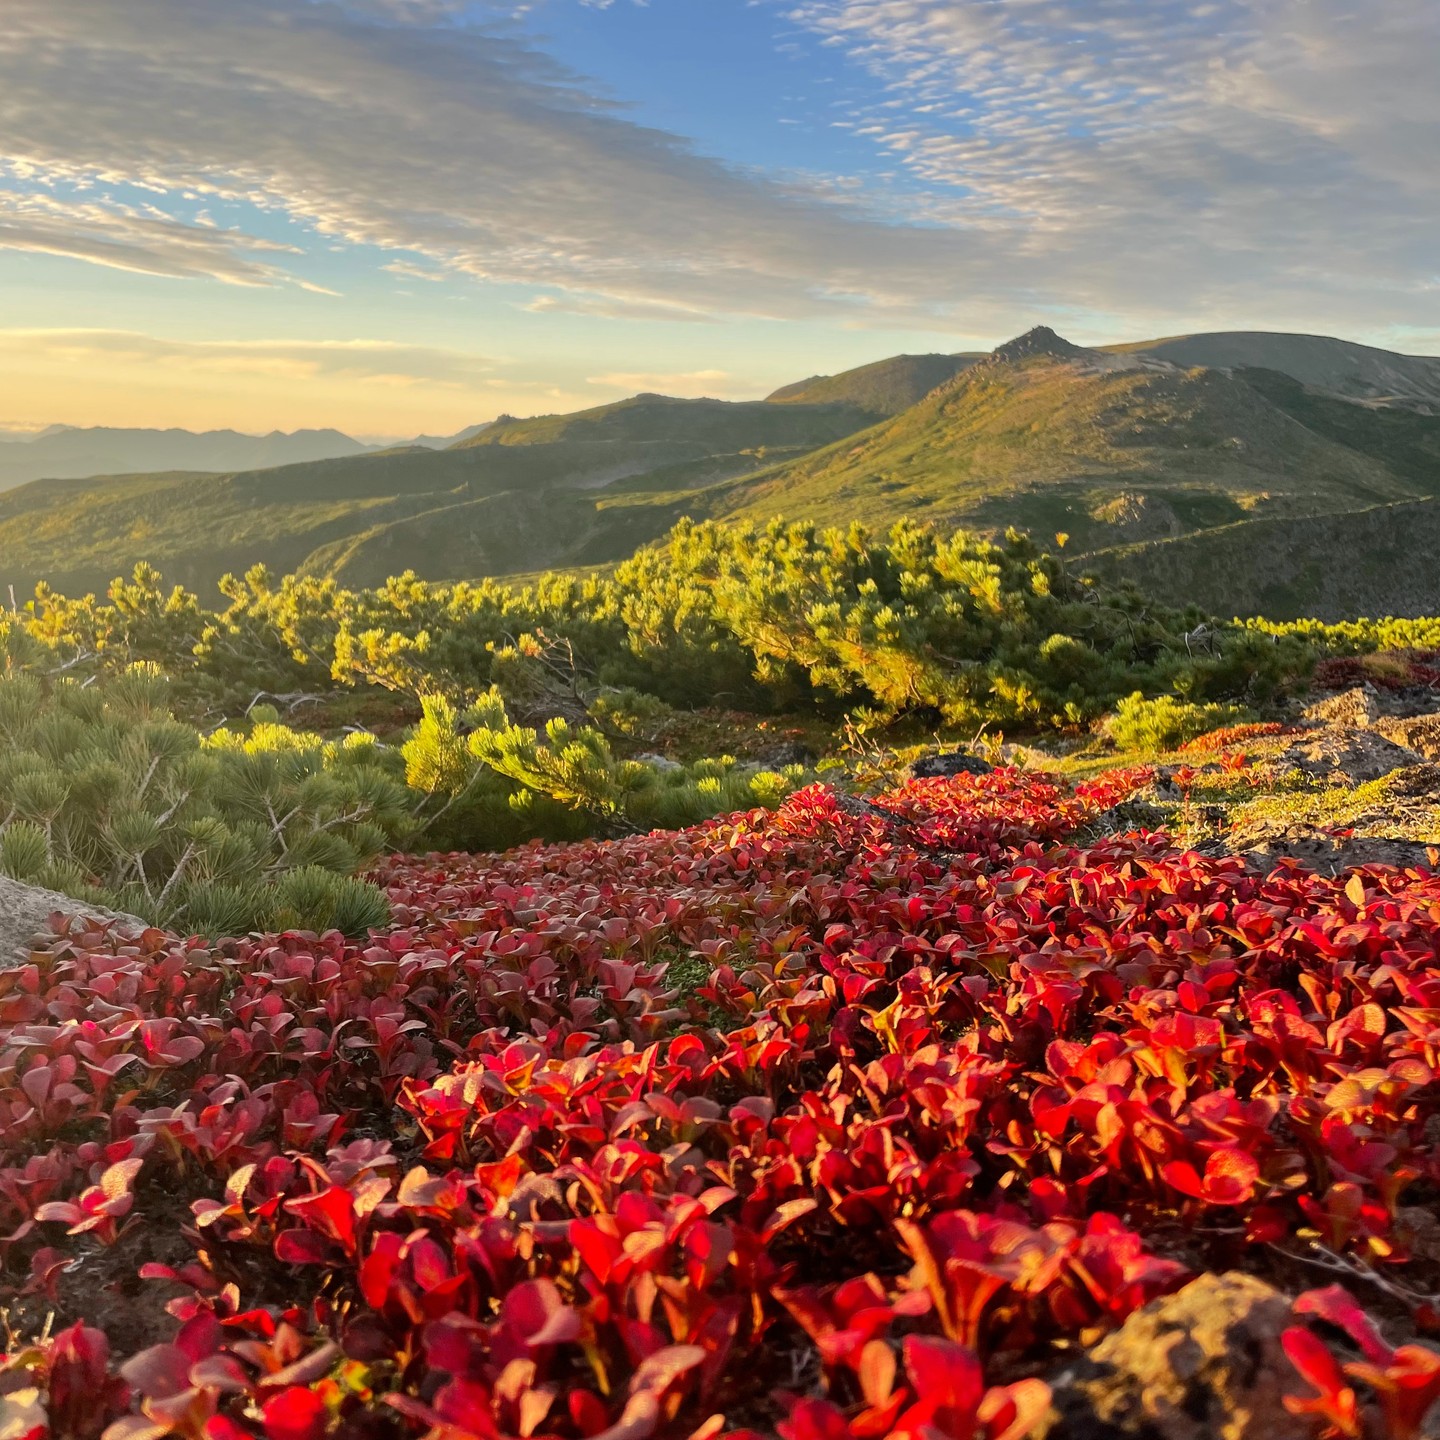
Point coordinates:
[(1202, 1364), (25, 916)]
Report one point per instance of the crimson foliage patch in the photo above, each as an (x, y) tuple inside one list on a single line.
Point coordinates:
[(847, 1120)]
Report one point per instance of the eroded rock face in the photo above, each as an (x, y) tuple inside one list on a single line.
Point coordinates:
[(1345, 755), (1324, 851), (25, 912), (1202, 1364), (1356, 708)]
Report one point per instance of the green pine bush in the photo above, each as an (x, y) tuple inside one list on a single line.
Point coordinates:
[(949, 627), (569, 779), (104, 795), (1166, 723)]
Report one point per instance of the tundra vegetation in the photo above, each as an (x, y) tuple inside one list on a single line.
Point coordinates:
[(562, 1015)]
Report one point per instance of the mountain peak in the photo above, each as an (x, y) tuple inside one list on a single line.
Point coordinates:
[(1042, 340)]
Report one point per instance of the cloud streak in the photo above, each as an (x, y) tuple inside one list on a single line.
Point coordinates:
[(121, 237), (458, 143), (362, 362), (1134, 165), (691, 384), (1242, 154)]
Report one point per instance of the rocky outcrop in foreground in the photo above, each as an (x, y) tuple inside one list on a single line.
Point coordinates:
[(1353, 740), (1203, 1364), (25, 913)]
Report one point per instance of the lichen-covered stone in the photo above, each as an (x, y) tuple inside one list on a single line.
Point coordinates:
[(1202, 1364), (1357, 708), (1420, 733)]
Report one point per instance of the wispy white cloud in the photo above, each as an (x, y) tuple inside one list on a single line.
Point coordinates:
[(451, 142), (360, 362), (408, 270), (1137, 164), (1232, 155), (604, 307), (123, 237)]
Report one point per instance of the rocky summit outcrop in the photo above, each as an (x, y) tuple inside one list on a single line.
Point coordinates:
[(1202, 1364), (1041, 340), (25, 917)]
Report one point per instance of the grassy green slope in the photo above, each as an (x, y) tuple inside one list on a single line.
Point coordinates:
[(79, 534), (883, 389), (1378, 561), (716, 425), (1406, 442), (1052, 445), (361, 514), (520, 532)]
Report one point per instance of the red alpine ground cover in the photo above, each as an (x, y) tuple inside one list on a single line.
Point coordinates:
[(828, 1123)]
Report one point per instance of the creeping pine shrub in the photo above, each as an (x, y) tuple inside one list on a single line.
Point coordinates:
[(566, 779), (1166, 723), (767, 618), (104, 796), (19, 650)]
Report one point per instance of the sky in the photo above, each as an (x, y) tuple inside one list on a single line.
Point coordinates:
[(406, 216)]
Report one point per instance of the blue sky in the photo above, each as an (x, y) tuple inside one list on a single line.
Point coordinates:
[(404, 215)]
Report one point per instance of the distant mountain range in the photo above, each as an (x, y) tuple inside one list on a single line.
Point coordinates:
[(66, 452), (1210, 467)]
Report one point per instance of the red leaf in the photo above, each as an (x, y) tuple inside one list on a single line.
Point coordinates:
[(303, 1247), (295, 1414), (159, 1371)]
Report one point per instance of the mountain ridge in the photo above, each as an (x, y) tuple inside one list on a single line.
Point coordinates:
[(1119, 447), (882, 388), (1345, 368), (73, 452), (1051, 437)]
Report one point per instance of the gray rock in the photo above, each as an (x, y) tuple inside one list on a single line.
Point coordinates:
[(1344, 755), (1262, 848), (937, 767), (659, 762), (786, 752), (25, 912), (1202, 1364)]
